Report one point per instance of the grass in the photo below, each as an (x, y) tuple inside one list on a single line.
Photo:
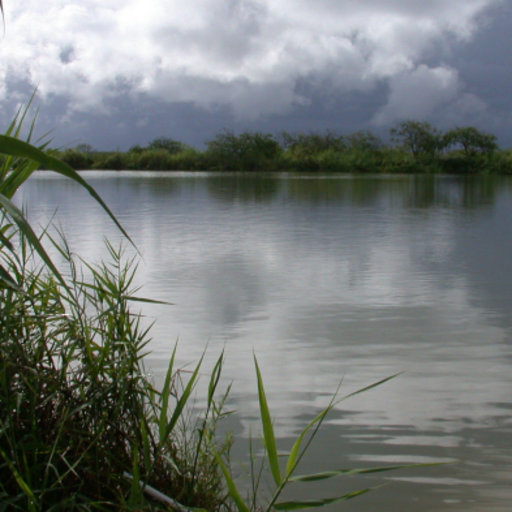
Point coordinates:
[(81, 425)]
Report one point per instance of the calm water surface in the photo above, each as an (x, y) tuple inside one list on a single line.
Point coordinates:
[(328, 278)]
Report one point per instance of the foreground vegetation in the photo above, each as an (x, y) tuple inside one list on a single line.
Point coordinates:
[(416, 147), (82, 426)]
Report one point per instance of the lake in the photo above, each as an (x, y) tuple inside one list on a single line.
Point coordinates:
[(330, 277)]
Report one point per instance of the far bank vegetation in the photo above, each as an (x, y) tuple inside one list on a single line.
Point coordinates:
[(415, 147)]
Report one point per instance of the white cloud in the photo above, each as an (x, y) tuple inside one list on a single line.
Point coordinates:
[(418, 93), (427, 93), (246, 54)]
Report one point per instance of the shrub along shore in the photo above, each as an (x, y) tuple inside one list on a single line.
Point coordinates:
[(416, 147)]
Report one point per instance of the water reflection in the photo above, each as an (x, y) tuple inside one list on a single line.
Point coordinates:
[(243, 187), (328, 278)]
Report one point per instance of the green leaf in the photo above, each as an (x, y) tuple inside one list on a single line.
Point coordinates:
[(21, 483), (299, 505), (370, 386), (294, 452), (18, 175), (15, 147), (214, 378), (145, 300), (180, 405), (134, 497), (162, 423), (324, 475), (7, 279), (145, 445), (268, 429), (233, 491), (18, 217), (5, 241)]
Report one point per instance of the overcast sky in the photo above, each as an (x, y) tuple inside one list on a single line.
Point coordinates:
[(113, 73)]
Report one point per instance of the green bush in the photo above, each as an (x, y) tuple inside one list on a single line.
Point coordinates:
[(155, 159), (331, 160), (115, 161), (188, 160), (77, 159), (244, 152)]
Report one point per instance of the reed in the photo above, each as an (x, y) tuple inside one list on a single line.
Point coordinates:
[(82, 426)]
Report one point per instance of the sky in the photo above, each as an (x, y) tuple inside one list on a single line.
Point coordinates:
[(115, 73)]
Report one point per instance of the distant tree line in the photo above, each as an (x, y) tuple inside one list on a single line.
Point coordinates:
[(415, 147)]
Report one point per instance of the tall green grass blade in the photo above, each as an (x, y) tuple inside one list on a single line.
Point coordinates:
[(21, 116), (183, 399), (214, 379), (268, 429), (145, 445), (145, 300), (324, 475), (294, 456), (17, 177), (233, 491), (166, 393), (5, 240), (14, 130), (210, 405), (301, 505), (134, 498), (14, 123), (18, 217), (370, 386), (20, 481), (7, 279), (294, 452), (33, 122), (15, 147)]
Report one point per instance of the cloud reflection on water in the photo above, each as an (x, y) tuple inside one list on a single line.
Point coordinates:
[(326, 280)]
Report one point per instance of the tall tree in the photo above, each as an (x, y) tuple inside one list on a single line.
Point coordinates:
[(312, 143), (471, 140), (244, 152), (364, 141), (170, 145), (419, 138)]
